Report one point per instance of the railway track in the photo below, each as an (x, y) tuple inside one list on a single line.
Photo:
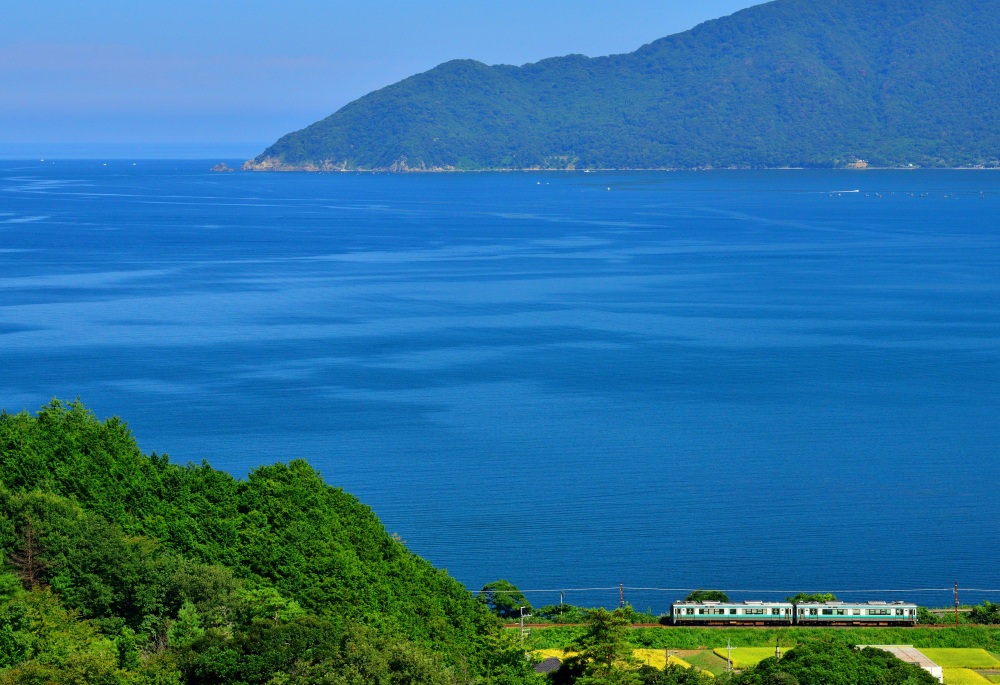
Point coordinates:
[(937, 626)]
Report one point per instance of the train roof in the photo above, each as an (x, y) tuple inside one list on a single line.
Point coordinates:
[(855, 604), (738, 604)]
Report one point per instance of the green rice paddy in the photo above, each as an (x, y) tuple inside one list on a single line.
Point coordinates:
[(746, 657), (964, 676), (961, 658), (966, 637)]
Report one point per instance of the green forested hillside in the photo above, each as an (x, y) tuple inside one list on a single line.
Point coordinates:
[(126, 568), (788, 83)]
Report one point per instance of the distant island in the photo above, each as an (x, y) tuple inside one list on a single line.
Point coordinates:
[(791, 83)]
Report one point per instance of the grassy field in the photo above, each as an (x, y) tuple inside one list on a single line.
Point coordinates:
[(706, 660), (949, 658), (963, 676), (746, 657), (958, 663), (560, 654), (657, 658), (961, 658), (976, 637)]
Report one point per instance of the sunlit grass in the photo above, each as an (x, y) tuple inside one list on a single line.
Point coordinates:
[(746, 657), (963, 676), (707, 660), (961, 658), (560, 654), (657, 658)]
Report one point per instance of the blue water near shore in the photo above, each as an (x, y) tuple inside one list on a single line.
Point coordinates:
[(746, 380)]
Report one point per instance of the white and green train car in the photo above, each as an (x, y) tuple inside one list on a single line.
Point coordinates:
[(731, 613), (856, 614)]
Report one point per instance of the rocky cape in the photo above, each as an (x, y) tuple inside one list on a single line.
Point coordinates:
[(791, 83)]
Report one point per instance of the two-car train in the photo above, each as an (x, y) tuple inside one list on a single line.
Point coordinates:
[(787, 614)]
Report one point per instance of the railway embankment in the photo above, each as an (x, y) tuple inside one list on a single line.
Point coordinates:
[(687, 638)]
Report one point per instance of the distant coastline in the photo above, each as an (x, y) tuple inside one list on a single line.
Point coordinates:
[(273, 166), (789, 83)]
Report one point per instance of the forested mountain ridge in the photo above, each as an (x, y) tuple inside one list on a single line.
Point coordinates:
[(788, 83), (124, 568)]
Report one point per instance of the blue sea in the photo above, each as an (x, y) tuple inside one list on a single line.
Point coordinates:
[(761, 381)]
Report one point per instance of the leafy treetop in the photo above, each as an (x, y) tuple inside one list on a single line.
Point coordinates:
[(816, 597), (504, 599), (707, 596), (828, 662)]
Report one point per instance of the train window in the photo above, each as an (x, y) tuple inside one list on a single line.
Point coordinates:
[(828, 612), (899, 612), (857, 612), (776, 612), (732, 612), (812, 612)]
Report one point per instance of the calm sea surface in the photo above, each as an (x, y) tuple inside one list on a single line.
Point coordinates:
[(746, 380)]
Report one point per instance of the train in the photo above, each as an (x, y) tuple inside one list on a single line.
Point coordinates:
[(872, 613)]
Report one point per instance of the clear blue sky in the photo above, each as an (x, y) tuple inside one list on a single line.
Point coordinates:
[(247, 71)]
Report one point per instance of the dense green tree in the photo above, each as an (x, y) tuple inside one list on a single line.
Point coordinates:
[(673, 674), (815, 597), (128, 650), (829, 662), (188, 628), (925, 617), (279, 577), (504, 599), (559, 613), (605, 649), (987, 613), (50, 645), (707, 596)]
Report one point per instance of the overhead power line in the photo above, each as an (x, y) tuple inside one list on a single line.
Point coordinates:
[(762, 592)]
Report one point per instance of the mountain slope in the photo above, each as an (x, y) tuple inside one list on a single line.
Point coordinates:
[(791, 82), (276, 574)]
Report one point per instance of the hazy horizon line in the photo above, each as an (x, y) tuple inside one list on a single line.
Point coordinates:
[(132, 150)]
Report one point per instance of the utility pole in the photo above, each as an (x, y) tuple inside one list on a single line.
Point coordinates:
[(777, 648), (522, 623), (729, 656), (621, 595), (956, 603), (560, 598)]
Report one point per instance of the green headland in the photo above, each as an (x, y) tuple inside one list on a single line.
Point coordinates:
[(791, 83)]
